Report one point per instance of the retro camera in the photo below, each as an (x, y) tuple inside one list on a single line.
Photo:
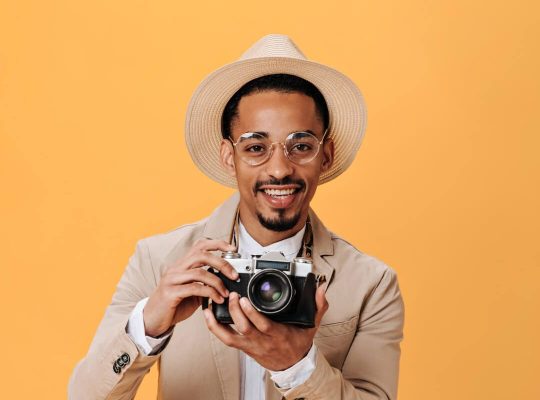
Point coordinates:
[(282, 290)]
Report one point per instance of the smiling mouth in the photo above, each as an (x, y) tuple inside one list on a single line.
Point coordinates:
[(280, 198), (280, 193)]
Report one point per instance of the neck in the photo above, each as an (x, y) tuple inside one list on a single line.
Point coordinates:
[(265, 236)]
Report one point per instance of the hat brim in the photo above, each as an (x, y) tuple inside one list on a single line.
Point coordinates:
[(346, 107)]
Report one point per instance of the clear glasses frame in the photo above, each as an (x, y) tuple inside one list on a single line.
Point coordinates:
[(259, 161)]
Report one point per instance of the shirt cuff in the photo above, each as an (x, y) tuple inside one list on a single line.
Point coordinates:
[(298, 373), (148, 345)]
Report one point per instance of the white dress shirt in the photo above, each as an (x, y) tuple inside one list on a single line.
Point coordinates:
[(252, 374)]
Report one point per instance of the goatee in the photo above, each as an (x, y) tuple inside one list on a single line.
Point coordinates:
[(279, 223)]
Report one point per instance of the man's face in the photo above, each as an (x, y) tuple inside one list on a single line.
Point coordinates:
[(278, 192)]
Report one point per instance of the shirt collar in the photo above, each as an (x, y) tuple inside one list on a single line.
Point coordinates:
[(248, 246)]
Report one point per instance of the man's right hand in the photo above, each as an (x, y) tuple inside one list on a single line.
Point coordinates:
[(184, 284)]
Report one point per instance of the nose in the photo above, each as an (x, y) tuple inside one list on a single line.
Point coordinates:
[(278, 165)]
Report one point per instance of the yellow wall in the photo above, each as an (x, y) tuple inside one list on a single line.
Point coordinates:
[(445, 188)]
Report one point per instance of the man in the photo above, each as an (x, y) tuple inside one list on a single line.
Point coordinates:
[(274, 125)]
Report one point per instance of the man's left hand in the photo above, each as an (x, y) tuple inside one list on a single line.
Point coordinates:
[(274, 345)]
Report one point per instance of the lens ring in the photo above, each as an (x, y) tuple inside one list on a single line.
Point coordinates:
[(270, 291)]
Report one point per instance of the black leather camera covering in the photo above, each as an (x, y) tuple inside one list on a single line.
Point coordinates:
[(300, 311)]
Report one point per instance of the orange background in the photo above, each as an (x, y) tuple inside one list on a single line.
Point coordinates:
[(445, 188)]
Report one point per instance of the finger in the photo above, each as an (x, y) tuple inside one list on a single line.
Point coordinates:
[(202, 245), (322, 304), (213, 245), (194, 289), (241, 322), (197, 275), (216, 262), (222, 331), (189, 306), (259, 321)]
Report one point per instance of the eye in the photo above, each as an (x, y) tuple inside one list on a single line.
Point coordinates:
[(302, 147), (255, 148)]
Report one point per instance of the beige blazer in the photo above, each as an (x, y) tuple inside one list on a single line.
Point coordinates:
[(358, 341)]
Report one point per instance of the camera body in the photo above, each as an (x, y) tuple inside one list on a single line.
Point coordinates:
[(282, 290)]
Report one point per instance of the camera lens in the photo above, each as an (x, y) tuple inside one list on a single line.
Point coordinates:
[(270, 291)]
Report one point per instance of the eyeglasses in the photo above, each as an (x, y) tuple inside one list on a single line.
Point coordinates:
[(255, 148)]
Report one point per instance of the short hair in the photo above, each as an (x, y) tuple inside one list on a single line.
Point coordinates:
[(284, 83)]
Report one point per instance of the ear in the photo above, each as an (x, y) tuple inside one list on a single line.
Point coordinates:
[(328, 155), (227, 157)]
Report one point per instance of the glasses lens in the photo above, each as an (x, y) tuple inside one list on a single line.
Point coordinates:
[(302, 147), (253, 148)]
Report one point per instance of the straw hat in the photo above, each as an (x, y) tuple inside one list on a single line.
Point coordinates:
[(273, 54)]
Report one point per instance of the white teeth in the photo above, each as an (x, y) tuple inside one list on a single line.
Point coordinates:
[(277, 192)]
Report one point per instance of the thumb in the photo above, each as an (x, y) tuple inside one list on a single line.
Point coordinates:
[(322, 304)]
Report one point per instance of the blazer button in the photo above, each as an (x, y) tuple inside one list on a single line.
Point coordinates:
[(120, 363), (116, 368), (125, 358)]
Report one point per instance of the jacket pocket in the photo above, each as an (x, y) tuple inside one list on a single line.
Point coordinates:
[(334, 340)]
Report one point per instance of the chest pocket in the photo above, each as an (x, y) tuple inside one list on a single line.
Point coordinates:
[(334, 340)]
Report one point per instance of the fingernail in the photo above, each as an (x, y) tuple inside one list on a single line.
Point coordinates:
[(205, 312), (244, 302), (233, 296)]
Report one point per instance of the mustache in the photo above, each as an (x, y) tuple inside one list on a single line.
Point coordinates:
[(285, 181)]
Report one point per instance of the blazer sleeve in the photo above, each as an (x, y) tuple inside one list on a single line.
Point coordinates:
[(371, 368), (113, 368)]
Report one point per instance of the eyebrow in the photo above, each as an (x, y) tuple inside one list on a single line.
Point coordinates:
[(266, 134)]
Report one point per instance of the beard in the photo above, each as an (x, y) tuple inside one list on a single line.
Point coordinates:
[(279, 223)]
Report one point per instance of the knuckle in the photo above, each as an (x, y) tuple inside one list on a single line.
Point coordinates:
[(265, 327), (211, 324), (245, 330), (168, 294), (207, 291), (196, 273), (200, 244)]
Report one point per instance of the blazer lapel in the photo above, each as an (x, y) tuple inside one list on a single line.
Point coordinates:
[(322, 246), (220, 223)]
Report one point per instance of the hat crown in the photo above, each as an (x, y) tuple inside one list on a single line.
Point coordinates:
[(274, 45)]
